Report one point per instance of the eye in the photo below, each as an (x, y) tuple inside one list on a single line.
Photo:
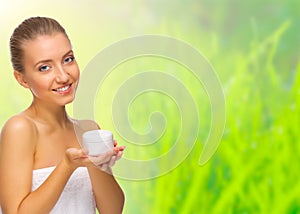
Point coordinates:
[(69, 59), (44, 68)]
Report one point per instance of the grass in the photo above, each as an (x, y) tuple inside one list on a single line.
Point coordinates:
[(254, 169)]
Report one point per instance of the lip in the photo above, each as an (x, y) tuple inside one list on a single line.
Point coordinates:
[(63, 89)]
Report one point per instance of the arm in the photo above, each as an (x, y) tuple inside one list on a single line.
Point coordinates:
[(109, 196), (17, 147)]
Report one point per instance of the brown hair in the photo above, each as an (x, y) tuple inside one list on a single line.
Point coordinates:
[(28, 30)]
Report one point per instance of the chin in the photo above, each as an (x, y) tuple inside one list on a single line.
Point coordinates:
[(67, 101)]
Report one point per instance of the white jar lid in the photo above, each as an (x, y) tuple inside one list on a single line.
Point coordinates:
[(95, 136)]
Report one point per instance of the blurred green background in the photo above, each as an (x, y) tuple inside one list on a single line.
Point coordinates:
[(254, 48)]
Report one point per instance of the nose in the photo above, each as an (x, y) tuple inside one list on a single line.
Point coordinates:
[(62, 75)]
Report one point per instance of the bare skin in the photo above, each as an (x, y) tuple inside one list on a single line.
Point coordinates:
[(44, 135)]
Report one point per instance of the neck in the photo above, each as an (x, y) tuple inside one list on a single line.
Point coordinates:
[(50, 114)]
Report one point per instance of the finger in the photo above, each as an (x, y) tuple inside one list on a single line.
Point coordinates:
[(74, 153), (119, 155), (115, 143), (85, 151), (112, 161), (118, 149), (82, 153), (104, 166), (71, 151), (84, 161), (122, 148), (103, 158)]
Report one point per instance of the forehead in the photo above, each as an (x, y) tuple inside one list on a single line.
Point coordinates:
[(46, 47)]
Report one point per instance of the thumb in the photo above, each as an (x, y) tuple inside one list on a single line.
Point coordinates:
[(74, 153)]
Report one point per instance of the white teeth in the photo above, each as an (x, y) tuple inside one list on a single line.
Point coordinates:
[(62, 89)]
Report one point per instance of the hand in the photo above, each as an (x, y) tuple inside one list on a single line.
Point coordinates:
[(76, 158), (108, 159), (119, 150)]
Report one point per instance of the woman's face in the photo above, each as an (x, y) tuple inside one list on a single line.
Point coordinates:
[(51, 71)]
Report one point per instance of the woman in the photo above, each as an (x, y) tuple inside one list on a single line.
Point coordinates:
[(43, 168)]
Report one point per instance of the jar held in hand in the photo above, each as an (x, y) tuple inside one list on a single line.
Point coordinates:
[(97, 141)]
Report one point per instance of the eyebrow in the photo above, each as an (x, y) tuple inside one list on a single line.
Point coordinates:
[(49, 60)]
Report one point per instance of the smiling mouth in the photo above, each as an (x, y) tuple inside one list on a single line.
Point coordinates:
[(63, 89)]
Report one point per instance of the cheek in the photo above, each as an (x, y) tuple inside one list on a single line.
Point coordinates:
[(75, 72), (37, 86)]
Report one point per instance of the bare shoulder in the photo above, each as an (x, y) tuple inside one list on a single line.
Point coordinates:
[(19, 124), (17, 148), (18, 127)]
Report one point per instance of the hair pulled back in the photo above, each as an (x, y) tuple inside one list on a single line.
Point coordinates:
[(29, 30)]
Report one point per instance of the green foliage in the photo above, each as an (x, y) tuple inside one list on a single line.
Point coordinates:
[(255, 169)]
